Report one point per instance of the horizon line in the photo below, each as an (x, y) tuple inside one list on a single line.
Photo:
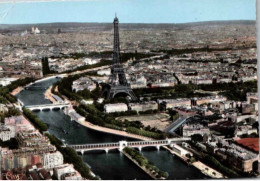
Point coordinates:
[(130, 23)]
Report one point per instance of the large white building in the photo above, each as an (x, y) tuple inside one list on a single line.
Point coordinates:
[(192, 129), (66, 172), (51, 160), (7, 132), (171, 103), (151, 105), (35, 30), (120, 107), (209, 99), (90, 61), (104, 72)]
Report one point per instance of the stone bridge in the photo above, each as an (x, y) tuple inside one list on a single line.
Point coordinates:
[(47, 106)]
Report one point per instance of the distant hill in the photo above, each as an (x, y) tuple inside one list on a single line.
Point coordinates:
[(84, 27)]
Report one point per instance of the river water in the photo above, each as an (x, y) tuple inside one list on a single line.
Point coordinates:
[(112, 165)]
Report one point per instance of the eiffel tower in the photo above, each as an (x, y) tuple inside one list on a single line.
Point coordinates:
[(117, 81)]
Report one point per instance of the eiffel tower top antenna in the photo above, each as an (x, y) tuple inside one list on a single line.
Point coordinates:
[(116, 51)]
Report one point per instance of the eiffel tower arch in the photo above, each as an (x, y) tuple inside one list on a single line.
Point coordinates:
[(117, 82)]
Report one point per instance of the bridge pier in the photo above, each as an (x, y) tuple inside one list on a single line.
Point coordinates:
[(82, 152), (106, 150), (158, 147), (122, 145), (140, 148)]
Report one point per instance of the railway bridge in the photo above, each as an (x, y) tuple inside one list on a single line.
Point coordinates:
[(122, 144)]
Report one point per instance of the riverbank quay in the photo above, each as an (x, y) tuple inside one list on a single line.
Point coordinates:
[(17, 91), (135, 162), (48, 95), (112, 131), (20, 88), (207, 170)]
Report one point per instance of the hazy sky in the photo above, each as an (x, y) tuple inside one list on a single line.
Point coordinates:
[(128, 11)]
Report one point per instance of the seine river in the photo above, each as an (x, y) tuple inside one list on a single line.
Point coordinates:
[(112, 165)]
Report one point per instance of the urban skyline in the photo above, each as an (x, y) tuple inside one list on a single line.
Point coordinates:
[(152, 11)]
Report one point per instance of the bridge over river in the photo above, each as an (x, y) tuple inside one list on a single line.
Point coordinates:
[(47, 106), (122, 144)]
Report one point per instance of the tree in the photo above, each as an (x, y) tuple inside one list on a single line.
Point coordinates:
[(3, 100), (54, 140), (45, 66), (192, 159), (165, 174), (12, 112), (35, 120), (214, 163)]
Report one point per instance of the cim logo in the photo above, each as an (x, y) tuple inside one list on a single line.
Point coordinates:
[(10, 176)]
